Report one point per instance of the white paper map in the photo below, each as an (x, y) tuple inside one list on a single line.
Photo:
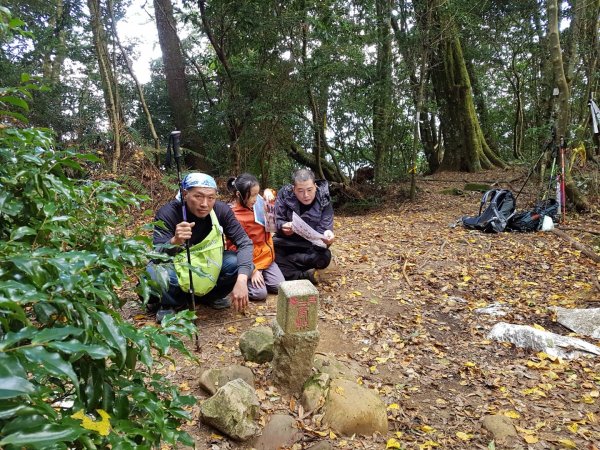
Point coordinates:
[(301, 228)]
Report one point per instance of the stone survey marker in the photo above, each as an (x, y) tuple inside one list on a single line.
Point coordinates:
[(297, 306), (295, 334)]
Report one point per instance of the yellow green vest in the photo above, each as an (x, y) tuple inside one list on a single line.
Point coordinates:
[(206, 258)]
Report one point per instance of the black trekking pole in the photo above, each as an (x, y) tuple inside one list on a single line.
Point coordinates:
[(174, 143)]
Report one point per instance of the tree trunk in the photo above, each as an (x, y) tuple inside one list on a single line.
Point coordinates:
[(138, 86), (304, 158), (177, 88), (465, 148), (109, 82), (382, 88), (564, 96)]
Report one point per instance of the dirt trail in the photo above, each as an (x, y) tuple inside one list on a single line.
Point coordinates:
[(400, 302)]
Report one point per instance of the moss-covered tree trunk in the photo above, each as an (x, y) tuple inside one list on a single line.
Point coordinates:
[(383, 88), (465, 147), (564, 96)]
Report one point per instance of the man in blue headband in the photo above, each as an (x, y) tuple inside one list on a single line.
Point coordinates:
[(220, 277)]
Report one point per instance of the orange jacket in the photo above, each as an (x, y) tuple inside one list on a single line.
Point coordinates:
[(264, 253)]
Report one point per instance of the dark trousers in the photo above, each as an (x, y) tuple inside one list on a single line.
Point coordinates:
[(173, 297), (294, 260)]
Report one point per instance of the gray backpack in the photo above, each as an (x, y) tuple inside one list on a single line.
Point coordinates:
[(496, 208)]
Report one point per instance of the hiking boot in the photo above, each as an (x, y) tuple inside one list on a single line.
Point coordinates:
[(220, 303), (312, 276), (162, 313)]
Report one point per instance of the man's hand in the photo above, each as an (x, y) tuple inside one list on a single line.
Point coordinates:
[(329, 237), (239, 295), (286, 229), (183, 231), (257, 279)]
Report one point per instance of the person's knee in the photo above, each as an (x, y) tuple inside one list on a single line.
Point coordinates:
[(323, 260), (229, 268), (257, 293)]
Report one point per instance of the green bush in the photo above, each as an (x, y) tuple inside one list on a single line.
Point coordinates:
[(73, 372)]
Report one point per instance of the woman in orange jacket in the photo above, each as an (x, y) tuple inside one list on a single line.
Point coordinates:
[(266, 276)]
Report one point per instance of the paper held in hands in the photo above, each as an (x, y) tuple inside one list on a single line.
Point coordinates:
[(301, 228)]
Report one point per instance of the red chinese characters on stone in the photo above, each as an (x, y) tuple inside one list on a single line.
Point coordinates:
[(302, 306)]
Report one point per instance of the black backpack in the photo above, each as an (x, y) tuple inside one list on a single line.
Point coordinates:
[(500, 208), (532, 220)]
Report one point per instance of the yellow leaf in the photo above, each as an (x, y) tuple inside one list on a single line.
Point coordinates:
[(426, 429), (573, 427), (594, 394), (428, 444), (463, 436), (467, 278), (512, 414), (531, 438), (322, 433), (216, 437), (393, 406), (470, 364), (232, 330), (357, 293), (392, 443), (399, 434), (587, 399), (332, 435), (538, 327), (184, 386), (567, 443), (339, 390), (260, 320), (373, 369), (102, 426)]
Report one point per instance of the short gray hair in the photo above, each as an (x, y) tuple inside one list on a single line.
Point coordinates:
[(303, 175)]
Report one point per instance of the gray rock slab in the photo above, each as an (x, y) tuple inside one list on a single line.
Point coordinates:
[(213, 379), (233, 410), (256, 345), (553, 344), (352, 409), (502, 429), (493, 309), (280, 432), (581, 321)]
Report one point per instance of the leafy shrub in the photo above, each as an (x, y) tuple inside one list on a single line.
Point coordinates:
[(73, 373)]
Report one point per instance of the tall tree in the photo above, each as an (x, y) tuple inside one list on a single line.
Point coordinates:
[(383, 87), (110, 86), (177, 87), (464, 142)]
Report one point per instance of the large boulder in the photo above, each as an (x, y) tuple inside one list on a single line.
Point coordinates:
[(256, 345), (213, 379), (502, 429), (280, 432), (233, 410), (352, 409)]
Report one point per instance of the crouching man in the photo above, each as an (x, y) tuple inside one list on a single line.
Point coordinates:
[(220, 277)]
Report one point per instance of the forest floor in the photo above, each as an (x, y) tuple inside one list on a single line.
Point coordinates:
[(399, 300)]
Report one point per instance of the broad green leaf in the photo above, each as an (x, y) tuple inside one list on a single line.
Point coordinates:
[(15, 101), (14, 386), (47, 434), (12, 338), (51, 362), (74, 346), (112, 334), (18, 233), (55, 334)]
